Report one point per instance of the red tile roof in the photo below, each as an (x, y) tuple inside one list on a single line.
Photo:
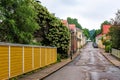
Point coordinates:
[(105, 29), (65, 23), (99, 35), (72, 27)]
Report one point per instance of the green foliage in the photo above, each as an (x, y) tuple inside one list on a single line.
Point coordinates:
[(107, 42), (45, 21), (58, 36), (115, 31), (18, 22), (115, 36), (74, 21), (52, 31), (92, 34), (108, 48), (86, 32), (98, 31), (108, 45), (58, 57)]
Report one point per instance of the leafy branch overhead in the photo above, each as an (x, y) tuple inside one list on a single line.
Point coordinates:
[(18, 21), (51, 31)]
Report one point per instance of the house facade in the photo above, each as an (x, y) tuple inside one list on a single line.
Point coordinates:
[(84, 39), (103, 36), (79, 38), (72, 29)]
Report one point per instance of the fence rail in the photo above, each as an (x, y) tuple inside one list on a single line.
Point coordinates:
[(116, 53), (16, 59)]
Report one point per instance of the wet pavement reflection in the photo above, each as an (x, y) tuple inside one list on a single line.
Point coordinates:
[(89, 65)]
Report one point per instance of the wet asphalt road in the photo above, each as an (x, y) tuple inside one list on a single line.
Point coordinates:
[(89, 65)]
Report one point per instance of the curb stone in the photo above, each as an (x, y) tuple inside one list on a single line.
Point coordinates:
[(76, 54), (108, 58), (40, 75)]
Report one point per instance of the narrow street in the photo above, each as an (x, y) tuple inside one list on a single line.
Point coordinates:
[(89, 65)]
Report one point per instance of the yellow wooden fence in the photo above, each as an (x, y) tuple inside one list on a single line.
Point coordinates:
[(16, 59)]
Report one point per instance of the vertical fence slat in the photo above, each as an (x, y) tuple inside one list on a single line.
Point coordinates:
[(40, 57), (16, 60), (32, 57), (27, 59), (4, 62), (45, 56), (36, 58), (23, 58), (9, 61)]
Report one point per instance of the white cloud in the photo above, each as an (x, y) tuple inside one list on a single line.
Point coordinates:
[(90, 13)]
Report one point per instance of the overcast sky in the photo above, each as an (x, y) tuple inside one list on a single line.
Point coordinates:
[(90, 13)]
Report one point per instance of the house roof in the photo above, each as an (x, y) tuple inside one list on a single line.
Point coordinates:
[(105, 29), (65, 23), (72, 27), (78, 29), (99, 35)]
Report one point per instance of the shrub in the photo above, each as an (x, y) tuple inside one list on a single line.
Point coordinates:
[(58, 57), (108, 45), (64, 56), (108, 48), (115, 36), (107, 42)]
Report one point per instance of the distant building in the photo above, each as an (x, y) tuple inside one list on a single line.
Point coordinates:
[(99, 40), (65, 23), (79, 38), (105, 29), (84, 39), (103, 36), (72, 29)]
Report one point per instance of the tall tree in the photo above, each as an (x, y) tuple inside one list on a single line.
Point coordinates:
[(86, 32), (115, 36), (92, 34), (52, 31), (115, 31), (98, 31), (18, 22), (74, 21), (43, 19), (59, 36), (116, 21)]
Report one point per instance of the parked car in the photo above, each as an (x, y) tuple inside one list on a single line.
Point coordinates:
[(95, 45)]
